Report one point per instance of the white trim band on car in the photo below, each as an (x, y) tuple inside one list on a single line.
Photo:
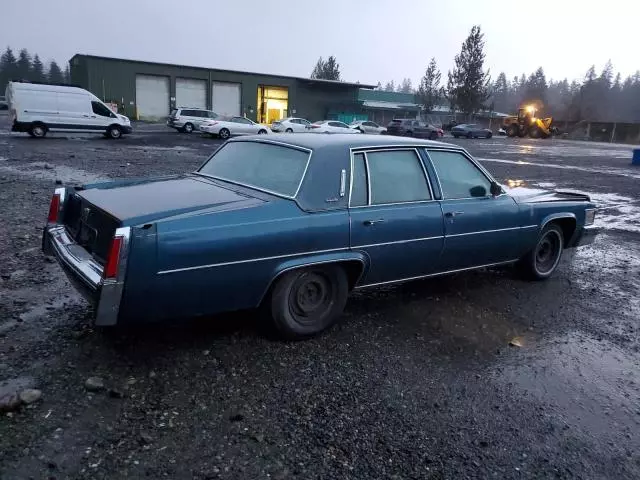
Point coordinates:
[(236, 262), (399, 241), (491, 231), (436, 274)]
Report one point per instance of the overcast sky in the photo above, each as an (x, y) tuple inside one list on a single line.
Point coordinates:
[(373, 40)]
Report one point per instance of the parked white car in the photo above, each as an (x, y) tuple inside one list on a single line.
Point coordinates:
[(365, 126), (225, 127), (330, 126), (39, 108), (290, 125), (189, 119)]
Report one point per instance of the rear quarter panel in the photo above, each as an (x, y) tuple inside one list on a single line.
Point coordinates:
[(225, 261)]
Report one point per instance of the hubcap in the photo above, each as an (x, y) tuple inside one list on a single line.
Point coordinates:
[(224, 134), (548, 252), (188, 128), (38, 131), (310, 297), (115, 133)]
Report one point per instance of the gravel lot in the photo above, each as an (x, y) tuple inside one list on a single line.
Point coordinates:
[(417, 381)]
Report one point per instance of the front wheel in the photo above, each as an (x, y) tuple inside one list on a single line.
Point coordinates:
[(188, 128), (543, 259), (224, 133), (262, 132), (470, 135), (38, 130), (289, 130), (489, 134), (307, 301), (114, 132)]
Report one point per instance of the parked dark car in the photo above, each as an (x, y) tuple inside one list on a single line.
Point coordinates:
[(292, 224), (407, 127), (471, 130)]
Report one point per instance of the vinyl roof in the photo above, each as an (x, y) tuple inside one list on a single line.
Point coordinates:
[(304, 79)]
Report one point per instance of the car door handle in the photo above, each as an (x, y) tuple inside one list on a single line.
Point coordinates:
[(370, 223), (86, 116), (453, 214)]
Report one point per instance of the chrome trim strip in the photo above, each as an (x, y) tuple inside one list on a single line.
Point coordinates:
[(490, 231), (112, 289), (261, 259), (558, 216), (87, 269), (363, 151), (398, 242), (435, 274)]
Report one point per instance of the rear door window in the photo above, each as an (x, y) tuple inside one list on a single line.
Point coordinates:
[(359, 194)]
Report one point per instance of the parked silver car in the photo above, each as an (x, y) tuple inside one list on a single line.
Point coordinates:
[(189, 119), (366, 126), (290, 125)]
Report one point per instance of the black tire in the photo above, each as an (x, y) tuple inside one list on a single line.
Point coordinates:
[(534, 132), (289, 130), (455, 136), (114, 132), (433, 136), (409, 133), (188, 128), (262, 132), (38, 130), (470, 135), (306, 301), (543, 259), (489, 135), (224, 133), (513, 130)]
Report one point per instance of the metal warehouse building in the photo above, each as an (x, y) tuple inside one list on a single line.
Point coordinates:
[(148, 91)]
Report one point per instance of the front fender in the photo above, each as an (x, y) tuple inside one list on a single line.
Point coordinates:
[(556, 216), (327, 258)]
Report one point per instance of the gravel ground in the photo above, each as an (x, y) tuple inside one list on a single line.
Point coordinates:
[(418, 380)]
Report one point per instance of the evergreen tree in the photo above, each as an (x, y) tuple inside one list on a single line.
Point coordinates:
[(326, 69), (429, 89), (8, 66), (67, 74), (467, 85), (23, 65), (390, 87), (405, 86), (37, 70), (55, 74)]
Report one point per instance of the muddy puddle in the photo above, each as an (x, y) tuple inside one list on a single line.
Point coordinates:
[(47, 172)]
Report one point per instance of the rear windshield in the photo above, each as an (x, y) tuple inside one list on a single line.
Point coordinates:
[(263, 166)]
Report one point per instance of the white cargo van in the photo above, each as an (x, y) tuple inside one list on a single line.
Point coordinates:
[(38, 108)]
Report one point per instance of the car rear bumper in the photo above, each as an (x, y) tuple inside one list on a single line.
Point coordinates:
[(84, 273)]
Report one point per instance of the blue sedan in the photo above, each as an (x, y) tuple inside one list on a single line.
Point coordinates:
[(292, 225)]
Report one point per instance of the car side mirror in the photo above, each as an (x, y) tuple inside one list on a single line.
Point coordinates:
[(496, 189), (478, 191)]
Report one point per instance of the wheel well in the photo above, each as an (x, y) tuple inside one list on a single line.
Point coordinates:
[(568, 227)]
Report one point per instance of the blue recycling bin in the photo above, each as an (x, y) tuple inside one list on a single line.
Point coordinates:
[(635, 160)]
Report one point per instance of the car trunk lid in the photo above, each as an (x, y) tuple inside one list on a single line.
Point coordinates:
[(93, 215)]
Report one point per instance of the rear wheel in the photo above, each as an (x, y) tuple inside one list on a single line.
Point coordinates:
[(543, 259), (188, 128), (114, 132), (306, 301), (289, 130), (409, 133), (489, 134), (224, 133), (433, 135), (38, 130), (262, 132)]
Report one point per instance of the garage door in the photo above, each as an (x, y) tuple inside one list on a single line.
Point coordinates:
[(226, 98), (191, 93), (152, 97)]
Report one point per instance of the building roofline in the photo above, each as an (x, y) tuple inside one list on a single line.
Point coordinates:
[(304, 79)]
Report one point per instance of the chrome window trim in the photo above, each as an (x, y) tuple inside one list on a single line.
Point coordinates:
[(253, 187), (364, 150), (249, 260), (434, 274)]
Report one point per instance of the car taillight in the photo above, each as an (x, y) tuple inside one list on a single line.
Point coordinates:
[(55, 207), (113, 260)]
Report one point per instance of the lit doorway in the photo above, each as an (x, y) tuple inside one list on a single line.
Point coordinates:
[(273, 103)]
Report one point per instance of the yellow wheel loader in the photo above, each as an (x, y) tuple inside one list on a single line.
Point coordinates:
[(526, 123)]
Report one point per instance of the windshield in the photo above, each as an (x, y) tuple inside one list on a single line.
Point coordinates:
[(264, 166)]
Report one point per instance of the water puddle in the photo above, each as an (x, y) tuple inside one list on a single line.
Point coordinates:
[(47, 172), (593, 383)]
